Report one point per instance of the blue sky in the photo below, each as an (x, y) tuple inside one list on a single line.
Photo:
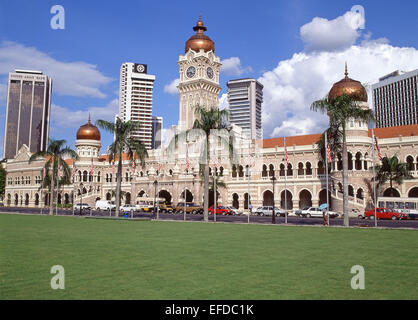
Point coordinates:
[(265, 40)]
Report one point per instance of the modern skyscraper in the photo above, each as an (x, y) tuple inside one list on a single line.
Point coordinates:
[(245, 97), (157, 125), (135, 99), (395, 99), (27, 113)]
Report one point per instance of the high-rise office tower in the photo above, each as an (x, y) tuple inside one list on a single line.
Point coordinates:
[(245, 97), (28, 112), (135, 99), (395, 99), (157, 125)]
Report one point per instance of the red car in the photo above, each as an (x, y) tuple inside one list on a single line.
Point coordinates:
[(220, 210), (383, 213)]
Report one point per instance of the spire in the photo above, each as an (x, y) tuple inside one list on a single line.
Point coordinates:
[(346, 72), (199, 28), (89, 118)]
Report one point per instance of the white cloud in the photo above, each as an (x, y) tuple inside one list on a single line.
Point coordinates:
[(171, 88), (69, 78), (232, 66), (167, 135), (223, 101), (3, 94), (65, 118), (332, 35), (295, 83)]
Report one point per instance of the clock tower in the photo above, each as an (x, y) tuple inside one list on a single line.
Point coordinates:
[(199, 76)]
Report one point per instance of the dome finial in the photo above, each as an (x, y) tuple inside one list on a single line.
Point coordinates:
[(89, 118), (346, 72)]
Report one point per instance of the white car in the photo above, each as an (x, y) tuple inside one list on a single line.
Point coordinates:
[(128, 208), (235, 211), (268, 211), (105, 205), (315, 212), (82, 206), (356, 213)]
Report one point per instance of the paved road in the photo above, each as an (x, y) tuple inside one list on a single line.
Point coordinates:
[(232, 219)]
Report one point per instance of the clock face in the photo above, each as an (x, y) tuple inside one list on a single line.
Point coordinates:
[(140, 68), (191, 71), (209, 72)]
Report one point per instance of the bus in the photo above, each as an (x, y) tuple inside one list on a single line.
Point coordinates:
[(405, 205)]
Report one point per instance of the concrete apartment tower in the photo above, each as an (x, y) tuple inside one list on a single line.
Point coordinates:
[(135, 99), (27, 112), (395, 99), (245, 97)]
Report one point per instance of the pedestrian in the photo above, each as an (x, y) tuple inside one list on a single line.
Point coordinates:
[(325, 215)]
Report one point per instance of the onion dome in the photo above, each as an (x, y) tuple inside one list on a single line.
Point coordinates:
[(199, 40), (88, 132), (352, 88)]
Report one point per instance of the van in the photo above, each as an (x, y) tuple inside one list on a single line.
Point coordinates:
[(105, 205)]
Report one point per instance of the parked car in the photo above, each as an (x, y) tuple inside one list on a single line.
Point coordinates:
[(127, 208), (314, 212), (356, 213), (220, 210), (166, 208), (383, 213), (83, 206), (268, 211), (105, 205), (191, 207), (234, 211)]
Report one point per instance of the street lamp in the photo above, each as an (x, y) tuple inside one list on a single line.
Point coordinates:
[(81, 199), (273, 217), (155, 194)]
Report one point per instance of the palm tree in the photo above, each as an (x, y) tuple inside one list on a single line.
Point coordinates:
[(123, 143), (393, 171), (206, 121), (340, 110), (54, 156)]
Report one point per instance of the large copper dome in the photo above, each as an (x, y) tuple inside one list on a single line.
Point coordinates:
[(199, 40), (88, 132), (350, 87)]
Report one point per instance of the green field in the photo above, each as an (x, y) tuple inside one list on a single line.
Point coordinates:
[(116, 259)]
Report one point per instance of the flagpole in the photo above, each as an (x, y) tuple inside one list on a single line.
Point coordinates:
[(58, 186), (42, 188), (374, 184), (285, 183), (326, 172), (248, 173), (73, 199), (185, 182)]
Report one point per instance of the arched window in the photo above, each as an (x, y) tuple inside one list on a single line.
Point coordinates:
[(321, 169), (350, 161), (308, 168), (301, 171), (127, 176), (85, 176), (282, 170), (360, 194), (98, 176), (221, 171), (234, 171), (271, 170), (410, 163), (358, 161), (289, 170), (264, 171), (241, 171), (350, 191)]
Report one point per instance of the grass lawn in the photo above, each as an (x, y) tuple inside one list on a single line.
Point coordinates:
[(109, 259)]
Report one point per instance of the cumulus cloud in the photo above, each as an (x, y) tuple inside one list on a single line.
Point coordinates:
[(67, 118), (223, 101), (291, 87), (171, 88), (332, 35), (69, 78), (232, 66)]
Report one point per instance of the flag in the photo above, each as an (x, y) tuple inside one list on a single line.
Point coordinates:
[(328, 153), (133, 166), (91, 167), (377, 148)]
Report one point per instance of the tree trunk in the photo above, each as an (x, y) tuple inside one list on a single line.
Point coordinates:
[(345, 183), (391, 188), (118, 185), (51, 198), (206, 194)]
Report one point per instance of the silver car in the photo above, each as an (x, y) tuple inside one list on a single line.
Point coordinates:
[(268, 211)]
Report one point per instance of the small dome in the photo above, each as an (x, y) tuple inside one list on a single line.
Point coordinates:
[(88, 132), (350, 87), (199, 40)]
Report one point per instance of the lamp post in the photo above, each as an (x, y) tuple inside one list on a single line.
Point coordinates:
[(81, 197), (155, 194), (273, 217)]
